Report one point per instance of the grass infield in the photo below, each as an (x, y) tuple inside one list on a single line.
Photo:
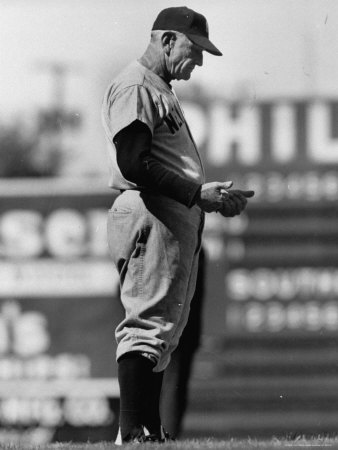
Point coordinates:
[(195, 444)]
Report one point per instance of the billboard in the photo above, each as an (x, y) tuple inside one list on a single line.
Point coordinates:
[(58, 310), (267, 366), (276, 263)]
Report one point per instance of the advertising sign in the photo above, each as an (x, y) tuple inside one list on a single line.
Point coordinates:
[(275, 265), (58, 309)]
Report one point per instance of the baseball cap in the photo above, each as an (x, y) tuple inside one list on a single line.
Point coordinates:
[(188, 22)]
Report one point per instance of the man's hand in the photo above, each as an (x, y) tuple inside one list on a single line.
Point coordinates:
[(235, 202), (213, 195)]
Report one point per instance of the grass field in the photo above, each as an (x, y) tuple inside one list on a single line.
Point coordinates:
[(198, 444)]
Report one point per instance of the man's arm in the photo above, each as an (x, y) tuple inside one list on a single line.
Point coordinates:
[(136, 164)]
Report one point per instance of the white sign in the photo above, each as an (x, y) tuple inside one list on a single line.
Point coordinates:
[(57, 278)]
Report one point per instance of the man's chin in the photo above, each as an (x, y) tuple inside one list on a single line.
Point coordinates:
[(184, 76)]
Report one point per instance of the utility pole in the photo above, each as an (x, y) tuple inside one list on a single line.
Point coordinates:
[(57, 116), (55, 119)]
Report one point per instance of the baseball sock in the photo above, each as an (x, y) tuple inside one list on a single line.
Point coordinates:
[(153, 422), (138, 391)]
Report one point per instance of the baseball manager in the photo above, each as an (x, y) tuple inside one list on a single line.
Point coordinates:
[(155, 224)]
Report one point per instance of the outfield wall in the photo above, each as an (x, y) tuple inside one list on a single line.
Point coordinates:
[(268, 365), (58, 309), (278, 258), (271, 272)]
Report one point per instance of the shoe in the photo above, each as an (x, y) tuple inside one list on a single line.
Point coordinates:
[(159, 438), (137, 435), (141, 434), (166, 436)]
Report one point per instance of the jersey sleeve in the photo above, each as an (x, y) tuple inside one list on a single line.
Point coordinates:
[(138, 165), (130, 104)]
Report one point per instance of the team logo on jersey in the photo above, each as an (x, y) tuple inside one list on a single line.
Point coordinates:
[(174, 120)]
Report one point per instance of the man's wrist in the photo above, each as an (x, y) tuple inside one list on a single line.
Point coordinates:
[(197, 196)]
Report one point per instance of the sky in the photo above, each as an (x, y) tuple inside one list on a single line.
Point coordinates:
[(270, 48)]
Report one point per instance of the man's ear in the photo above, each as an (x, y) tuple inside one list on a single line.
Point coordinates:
[(168, 41)]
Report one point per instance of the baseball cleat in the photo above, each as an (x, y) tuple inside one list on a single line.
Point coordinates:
[(141, 435)]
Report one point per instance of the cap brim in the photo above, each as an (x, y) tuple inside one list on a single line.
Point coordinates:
[(204, 42)]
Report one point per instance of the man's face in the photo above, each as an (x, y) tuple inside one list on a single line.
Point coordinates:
[(183, 58)]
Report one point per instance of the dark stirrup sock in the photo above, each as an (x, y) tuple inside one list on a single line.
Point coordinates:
[(134, 374), (153, 422)]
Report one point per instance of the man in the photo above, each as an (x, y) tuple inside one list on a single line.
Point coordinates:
[(155, 225)]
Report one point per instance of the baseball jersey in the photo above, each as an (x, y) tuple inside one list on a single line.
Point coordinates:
[(139, 94)]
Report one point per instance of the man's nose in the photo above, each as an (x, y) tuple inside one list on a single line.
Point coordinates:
[(199, 59)]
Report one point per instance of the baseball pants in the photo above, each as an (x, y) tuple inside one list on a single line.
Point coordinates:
[(154, 242)]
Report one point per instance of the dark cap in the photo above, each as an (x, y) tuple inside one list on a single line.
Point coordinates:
[(188, 22)]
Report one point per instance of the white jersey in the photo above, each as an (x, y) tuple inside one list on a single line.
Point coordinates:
[(139, 94)]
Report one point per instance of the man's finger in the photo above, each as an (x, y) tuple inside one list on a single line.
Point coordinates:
[(226, 210), (223, 189), (227, 184), (239, 198), (236, 205), (240, 193), (248, 194)]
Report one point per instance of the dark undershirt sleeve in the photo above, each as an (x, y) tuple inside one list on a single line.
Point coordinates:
[(137, 165)]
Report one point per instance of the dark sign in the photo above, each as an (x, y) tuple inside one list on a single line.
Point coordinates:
[(58, 310), (273, 268)]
